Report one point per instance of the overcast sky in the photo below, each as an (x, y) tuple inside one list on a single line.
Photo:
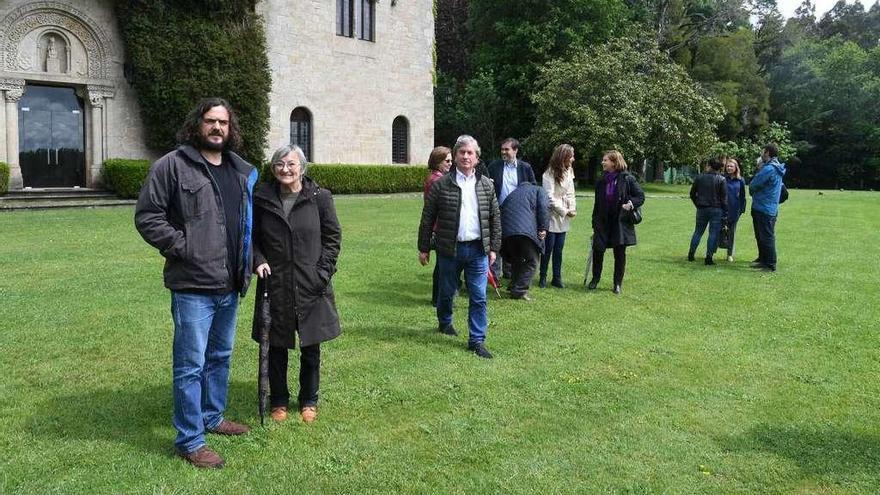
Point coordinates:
[(787, 7)]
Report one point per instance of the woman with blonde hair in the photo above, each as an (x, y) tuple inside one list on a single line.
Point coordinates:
[(617, 194), (558, 181), (736, 200)]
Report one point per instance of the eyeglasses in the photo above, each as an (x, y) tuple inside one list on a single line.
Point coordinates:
[(282, 165), (448, 160)]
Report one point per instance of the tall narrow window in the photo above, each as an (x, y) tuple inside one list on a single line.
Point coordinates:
[(400, 140), (301, 130), (366, 25), (345, 17)]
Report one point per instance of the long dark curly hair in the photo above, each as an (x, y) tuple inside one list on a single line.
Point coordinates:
[(189, 131)]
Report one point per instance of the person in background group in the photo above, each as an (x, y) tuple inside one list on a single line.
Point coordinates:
[(617, 191), (765, 189), (297, 238), (736, 200), (558, 181), (709, 195), (195, 208), (524, 222), (439, 162), (507, 174), (463, 207)]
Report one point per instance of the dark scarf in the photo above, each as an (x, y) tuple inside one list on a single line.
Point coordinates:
[(611, 187)]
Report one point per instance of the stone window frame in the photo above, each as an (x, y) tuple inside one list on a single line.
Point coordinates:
[(400, 140), (366, 20), (301, 130), (356, 19), (345, 18)]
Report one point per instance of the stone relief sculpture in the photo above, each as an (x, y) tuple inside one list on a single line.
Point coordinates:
[(53, 54)]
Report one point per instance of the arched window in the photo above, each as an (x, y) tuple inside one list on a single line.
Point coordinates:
[(400, 140), (301, 130)]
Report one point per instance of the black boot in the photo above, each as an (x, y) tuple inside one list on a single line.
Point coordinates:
[(542, 282), (593, 284), (691, 256), (709, 260), (616, 289)]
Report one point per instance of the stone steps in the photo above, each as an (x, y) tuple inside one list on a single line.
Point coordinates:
[(45, 198)]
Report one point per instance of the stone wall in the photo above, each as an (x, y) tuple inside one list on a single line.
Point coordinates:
[(87, 54), (353, 88)]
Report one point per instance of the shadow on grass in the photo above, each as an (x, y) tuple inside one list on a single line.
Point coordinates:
[(137, 416), (681, 261), (423, 335), (394, 294), (819, 451)]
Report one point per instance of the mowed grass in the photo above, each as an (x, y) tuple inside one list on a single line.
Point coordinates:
[(696, 380)]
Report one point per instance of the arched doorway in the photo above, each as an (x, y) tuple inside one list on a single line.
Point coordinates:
[(51, 140)]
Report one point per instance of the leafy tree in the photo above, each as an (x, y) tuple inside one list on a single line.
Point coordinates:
[(747, 149), (472, 107), (828, 91), (726, 65), (515, 38), (628, 95)]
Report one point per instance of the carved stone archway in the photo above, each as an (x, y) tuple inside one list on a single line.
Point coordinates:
[(87, 66)]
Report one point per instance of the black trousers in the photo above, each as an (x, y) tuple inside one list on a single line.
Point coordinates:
[(765, 235), (309, 376), (619, 264), (523, 255)]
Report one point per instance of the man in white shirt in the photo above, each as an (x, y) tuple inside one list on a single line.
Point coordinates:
[(463, 206)]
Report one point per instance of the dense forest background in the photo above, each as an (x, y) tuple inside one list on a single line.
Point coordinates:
[(668, 82)]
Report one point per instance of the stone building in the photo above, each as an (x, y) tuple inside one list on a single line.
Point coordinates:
[(351, 83)]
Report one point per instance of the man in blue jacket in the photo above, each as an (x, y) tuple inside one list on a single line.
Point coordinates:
[(195, 208), (524, 223), (765, 188)]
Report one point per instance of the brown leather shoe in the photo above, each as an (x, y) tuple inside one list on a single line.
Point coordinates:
[(278, 413), (227, 427), (309, 414), (204, 458)]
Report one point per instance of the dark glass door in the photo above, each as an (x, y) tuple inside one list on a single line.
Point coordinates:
[(51, 139)]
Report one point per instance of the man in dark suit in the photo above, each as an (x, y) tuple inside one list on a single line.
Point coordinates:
[(508, 173)]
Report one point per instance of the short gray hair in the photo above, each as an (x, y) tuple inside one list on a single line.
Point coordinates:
[(465, 140), (286, 150)]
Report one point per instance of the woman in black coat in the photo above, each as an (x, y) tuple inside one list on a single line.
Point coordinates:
[(296, 242), (617, 193)]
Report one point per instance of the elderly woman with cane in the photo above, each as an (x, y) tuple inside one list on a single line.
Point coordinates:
[(296, 242)]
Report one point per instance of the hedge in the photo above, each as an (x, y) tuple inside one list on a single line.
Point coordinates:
[(346, 178), (180, 51), (4, 177), (125, 177)]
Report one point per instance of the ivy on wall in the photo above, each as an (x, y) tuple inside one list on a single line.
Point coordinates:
[(179, 51)]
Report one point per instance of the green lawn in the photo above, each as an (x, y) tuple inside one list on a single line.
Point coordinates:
[(696, 380)]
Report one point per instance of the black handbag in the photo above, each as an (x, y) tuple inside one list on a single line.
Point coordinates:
[(633, 216), (724, 237)]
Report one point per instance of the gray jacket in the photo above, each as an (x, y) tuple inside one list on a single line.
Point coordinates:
[(180, 213)]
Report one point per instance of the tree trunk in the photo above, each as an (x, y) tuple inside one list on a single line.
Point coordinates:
[(658, 170)]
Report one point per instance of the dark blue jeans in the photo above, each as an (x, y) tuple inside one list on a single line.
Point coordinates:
[(765, 234), (553, 244), (469, 256), (707, 216), (204, 332)]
